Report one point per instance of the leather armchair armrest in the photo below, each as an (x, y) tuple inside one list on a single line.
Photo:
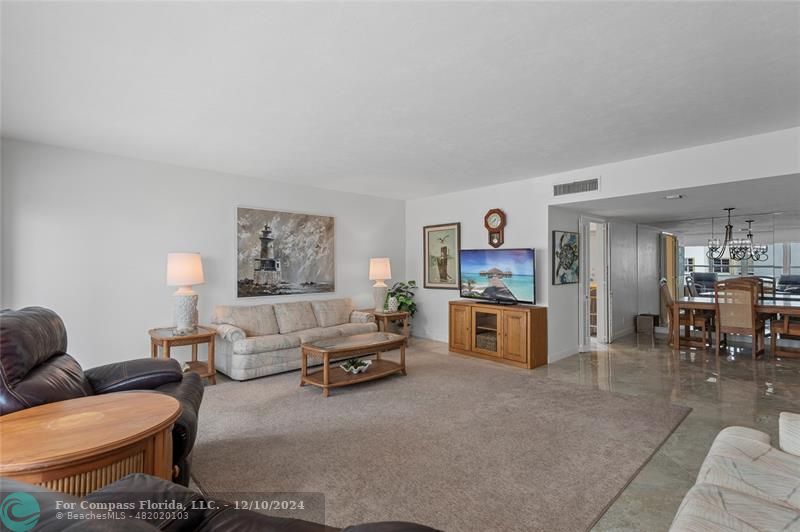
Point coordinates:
[(230, 332), (137, 374), (789, 433), (361, 317), (189, 392)]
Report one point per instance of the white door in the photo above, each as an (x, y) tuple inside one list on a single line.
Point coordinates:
[(601, 278), (593, 269)]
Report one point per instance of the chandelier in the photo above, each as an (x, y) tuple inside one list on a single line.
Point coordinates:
[(739, 248), (744, 248)]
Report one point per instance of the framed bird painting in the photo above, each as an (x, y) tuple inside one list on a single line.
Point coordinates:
[(442, 244)]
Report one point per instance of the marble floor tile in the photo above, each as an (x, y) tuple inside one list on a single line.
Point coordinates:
[(731, 389)]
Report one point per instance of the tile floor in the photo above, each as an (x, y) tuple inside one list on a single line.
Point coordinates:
[(728, 390)]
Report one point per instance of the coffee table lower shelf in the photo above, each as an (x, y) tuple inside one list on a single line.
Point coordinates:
[(339, 377)]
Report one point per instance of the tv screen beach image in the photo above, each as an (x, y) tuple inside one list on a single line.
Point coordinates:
[(502, 274)]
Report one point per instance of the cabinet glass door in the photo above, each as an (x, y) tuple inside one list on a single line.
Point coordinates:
[(486, 332)]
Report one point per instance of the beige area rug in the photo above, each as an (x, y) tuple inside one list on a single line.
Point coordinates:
[(459, 444)]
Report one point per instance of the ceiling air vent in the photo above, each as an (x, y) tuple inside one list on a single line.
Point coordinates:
[(587, 185)]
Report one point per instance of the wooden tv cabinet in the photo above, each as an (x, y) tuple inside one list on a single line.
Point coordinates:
[(512, 334)]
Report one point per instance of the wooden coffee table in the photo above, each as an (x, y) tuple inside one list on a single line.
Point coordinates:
[(80, 445), (348, 347)]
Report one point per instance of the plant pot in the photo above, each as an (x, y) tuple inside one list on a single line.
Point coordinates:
[(392, 304)]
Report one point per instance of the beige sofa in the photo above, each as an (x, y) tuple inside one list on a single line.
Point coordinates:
[(746, 484), (257, 340)]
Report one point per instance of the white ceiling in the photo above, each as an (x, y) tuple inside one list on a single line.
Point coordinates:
[(748, 197), (397, 99)]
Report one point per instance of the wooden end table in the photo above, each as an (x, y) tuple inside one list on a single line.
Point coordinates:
[(383, 319), (350, 347), (166, 338), (80, 445)]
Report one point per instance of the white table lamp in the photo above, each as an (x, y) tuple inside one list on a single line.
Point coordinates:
[(379, 271), (183, 271)]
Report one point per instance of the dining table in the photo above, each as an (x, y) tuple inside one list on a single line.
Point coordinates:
[(786, 296), (766, 305)]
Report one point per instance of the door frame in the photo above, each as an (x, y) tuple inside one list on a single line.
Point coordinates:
[(584, 284)]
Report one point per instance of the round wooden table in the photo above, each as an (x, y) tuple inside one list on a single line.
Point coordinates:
[(80, 445)]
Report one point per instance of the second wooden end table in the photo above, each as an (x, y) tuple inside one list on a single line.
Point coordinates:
[(166, 338), (383, 319)]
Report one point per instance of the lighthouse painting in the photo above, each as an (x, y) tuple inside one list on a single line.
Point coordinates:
[(282, 253)]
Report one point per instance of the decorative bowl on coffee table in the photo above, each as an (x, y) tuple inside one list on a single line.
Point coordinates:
[(355, 365)]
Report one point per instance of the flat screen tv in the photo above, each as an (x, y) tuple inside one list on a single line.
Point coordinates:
[(498, 275)]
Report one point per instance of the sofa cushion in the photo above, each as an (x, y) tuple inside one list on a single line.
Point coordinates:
[(349, 329), (261, 344), (768, 478), (358, 316), (330, 312), (254, 320), (710, 508), (749, 464), (317, 333), (295, 316)]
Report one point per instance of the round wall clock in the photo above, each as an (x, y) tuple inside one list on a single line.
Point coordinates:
[(495, 223)]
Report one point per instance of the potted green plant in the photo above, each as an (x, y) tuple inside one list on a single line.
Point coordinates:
[(403, 292)]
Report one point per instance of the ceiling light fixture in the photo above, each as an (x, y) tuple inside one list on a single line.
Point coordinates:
[(716, 249), (745, 249), (738, 249), (674, 196)]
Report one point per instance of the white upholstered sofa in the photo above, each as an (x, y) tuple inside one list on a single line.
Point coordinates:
[(257, 340), (746, 484)]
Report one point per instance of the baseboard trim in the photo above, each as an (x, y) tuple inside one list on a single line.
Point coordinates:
[(621, 334), (564, 353)]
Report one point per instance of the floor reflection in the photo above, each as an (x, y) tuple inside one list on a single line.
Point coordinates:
[(731, 389)]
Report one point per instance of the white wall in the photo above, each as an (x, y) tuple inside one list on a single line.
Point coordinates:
[(469, 208), (623, 278), (87, 235), (526, 205), (563, 324)]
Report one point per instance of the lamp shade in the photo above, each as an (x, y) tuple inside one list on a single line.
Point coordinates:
[(379, 269), (184, 269)]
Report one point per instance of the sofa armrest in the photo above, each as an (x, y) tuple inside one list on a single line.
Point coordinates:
[(230, 332), (361, 317), (137, 374), (789, 438)]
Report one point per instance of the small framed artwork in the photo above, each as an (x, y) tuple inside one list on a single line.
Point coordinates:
[(442, 244), (565, 257)]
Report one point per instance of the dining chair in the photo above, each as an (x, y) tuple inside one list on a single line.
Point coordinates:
[(690, 289), (736, 301), (784, 326), (688, 319)]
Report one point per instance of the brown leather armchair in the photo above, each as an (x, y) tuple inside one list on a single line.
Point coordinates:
[(35, 369)]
